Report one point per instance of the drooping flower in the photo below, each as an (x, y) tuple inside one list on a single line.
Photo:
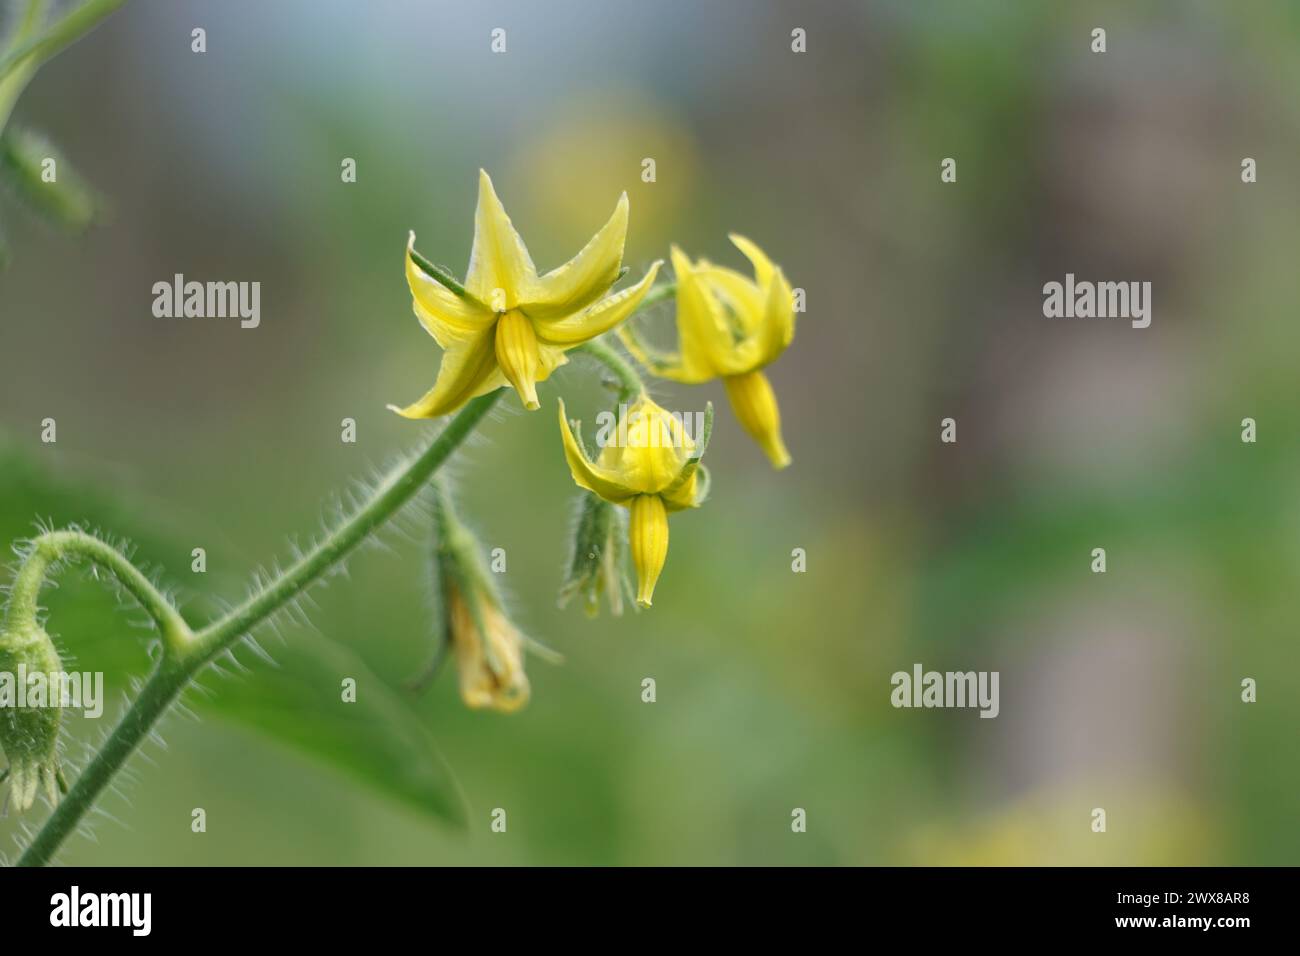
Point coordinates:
[(507, 324), (489, 653), (730, 327), (474, 626), (651, 466)]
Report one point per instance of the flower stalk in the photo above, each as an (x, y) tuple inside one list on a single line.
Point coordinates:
[(625, 374), (186, 652), (31, 46)]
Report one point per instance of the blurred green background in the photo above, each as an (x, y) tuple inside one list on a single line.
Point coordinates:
[(1119, 691)]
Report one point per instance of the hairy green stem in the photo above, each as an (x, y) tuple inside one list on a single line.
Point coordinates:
[(658, 294), (629, 380), (395, 491), (183, 658), (441, 638), (14, 80), (74, 25), (165, 684), (54, 546), (186, 652)]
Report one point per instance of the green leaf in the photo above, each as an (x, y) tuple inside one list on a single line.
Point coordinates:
[(379, 740)]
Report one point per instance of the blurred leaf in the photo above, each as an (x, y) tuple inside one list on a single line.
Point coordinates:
[(67, 202), (379, 739)]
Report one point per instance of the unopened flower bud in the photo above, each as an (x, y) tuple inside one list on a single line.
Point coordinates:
[(29, 734), (596, 565)]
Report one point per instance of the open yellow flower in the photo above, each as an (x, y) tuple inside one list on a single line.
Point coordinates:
[(651, 466), (730, 327), (507, 323)]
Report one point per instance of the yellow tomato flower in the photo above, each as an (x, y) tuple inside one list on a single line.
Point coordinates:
[(651, 466), (489, 654), (730, 327), (507, 323)]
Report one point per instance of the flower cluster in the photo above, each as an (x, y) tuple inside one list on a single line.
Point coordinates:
[(506, 325)]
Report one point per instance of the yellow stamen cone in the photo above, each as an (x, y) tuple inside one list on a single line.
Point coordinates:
[(755, 406), (648, 536), (517, 354)]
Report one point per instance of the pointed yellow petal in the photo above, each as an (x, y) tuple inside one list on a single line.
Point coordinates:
[(600, 318), (584, 278), (755, 406), (500, 269), (705, 341), (468, 370), (681, 262), (777, 329), (445, 315), (648, 538), (763, 267), (742, 302), (594, 479)]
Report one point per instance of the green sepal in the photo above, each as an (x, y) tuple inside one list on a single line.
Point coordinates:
[(444, 278), (693, 462)]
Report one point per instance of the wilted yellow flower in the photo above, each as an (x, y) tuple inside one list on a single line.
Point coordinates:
[(730, 327), (651, 466), (490, 659), (507, 323)]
